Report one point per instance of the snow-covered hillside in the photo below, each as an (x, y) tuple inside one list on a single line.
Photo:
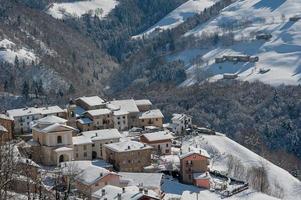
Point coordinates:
[(246, 19), (179, 15), (226, 153), (281, 54), (76, 9), (9, 51)]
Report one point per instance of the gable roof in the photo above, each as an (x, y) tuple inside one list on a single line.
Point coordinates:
[(127, 146), (78, 140), (51, 119), (142, 102), (128, 105), (92, 100), (201, 152), (92, 174), (151, 114), (157, 136), (103, 134), (33, 111), (97, 112), (148, 180), (55, 128)]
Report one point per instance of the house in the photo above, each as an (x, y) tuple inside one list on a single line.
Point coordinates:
[(120, 119), (149, 181), (82, 148), (160, 141), (128, 105), (128, 156), (90, 103), (180, 122), (194, 168), (110, 192), (6, 127), (24, 117), (143, 104), (88, 178), (151, 118), (101, 118), (84, 124), (99, 138), (52, 141)]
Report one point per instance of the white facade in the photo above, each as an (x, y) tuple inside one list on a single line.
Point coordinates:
[(120, 119), (180, 122)]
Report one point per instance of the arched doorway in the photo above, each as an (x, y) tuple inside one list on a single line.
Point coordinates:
[(61, 158), (94, 155)]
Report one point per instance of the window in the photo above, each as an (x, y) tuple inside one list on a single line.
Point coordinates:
[(123, 117), (96, 184), (118, 123), (118, 118), (85, 147), (157, 119), (85, 154), (59, 139), (27, 117), (76, 155), (167, 145), (166, 151), (129, 161), (189, 176), (142, 120), (93, 145)]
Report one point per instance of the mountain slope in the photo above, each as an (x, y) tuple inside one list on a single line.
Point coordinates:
[(241, 163), (235, 31)]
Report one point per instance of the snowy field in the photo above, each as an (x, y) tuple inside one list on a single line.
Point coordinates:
[(179, 15), (280, 183), (76, 9), (281, 54)]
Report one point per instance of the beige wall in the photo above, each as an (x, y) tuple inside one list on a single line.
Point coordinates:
[(158, 122), (102, 121), (82, 152), (99, 147), (129, 161)]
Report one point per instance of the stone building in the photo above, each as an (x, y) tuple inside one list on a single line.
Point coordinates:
[(160, 141), (128, 156), (7, 123)]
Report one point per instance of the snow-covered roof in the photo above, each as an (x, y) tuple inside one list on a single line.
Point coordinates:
[(84, 164), (127, 146), (51, 119), (204, 175), (78, 140), (92, 101), (129, 193), (92, 174), (126, 105), (55, 128), (148, 180), (97, 112), (3, 129), (112, 107), (142, 102), (85, 120), (159, 135), (178, 117), (103, 134), (3, 116), (34, 111), (120, 112), (199, 151), (151, 114), (63, 149)]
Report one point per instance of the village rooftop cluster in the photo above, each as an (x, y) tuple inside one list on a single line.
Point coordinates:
[(113, 149)]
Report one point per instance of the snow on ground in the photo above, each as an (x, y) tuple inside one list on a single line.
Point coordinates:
[(221, 148), (9, 51), (176, 190), (179, 15), (245, 18), (76, 9)]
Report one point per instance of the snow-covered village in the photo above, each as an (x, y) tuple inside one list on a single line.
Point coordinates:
[(150, 99), (124, 149)]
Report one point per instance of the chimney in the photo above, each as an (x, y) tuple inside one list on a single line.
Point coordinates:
[(140, 190), (129, 147), (119, 196), (103, 192), (96, 134), (101, 175), (200, 151), (123, 190), (145, 191)]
